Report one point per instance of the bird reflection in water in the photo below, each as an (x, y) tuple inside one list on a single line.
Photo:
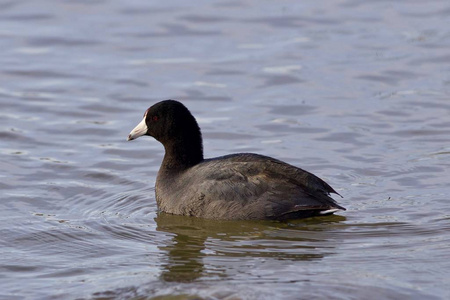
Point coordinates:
[(226, 244)]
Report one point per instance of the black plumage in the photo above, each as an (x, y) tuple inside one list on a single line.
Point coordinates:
[(242, 186)]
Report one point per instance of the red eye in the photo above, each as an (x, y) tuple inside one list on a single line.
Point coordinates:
[(155, 118)]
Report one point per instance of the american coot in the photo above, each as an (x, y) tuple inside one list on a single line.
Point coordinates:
[(242, 186)]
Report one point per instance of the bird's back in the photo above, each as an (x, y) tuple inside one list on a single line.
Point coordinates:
[(244, 186)]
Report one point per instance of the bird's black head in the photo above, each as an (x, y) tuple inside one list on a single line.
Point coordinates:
[(172, 124)]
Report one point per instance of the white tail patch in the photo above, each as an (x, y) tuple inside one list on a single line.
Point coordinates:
[(329, 211)]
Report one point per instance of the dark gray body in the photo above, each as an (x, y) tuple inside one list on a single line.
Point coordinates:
[(243, 187)]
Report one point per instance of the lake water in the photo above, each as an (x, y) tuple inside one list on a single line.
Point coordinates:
[(357, 92)]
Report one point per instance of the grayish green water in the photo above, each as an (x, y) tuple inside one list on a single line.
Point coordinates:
[(357, 92)]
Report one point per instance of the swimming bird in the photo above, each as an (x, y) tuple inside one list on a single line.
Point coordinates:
[(243, 186)]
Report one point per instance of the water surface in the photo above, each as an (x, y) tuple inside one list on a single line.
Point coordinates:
[(356, 92)]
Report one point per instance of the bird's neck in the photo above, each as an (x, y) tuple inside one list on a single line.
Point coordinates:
[(182, 153)]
